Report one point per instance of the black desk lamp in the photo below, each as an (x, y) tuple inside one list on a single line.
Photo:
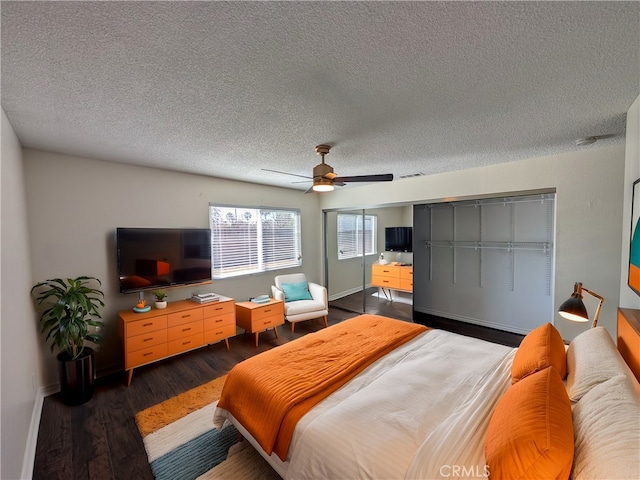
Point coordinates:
[(574, 309)]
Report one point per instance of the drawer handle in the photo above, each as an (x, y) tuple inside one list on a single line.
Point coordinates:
[(267, 311), (147, 339), (186, 316), (219, 333), (147, 354), (186, 343), (186, 329), (147, 324), (218, 321), (267, 323), (219, 308)]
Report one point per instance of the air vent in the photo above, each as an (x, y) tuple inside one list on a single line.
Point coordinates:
[(419, 174)]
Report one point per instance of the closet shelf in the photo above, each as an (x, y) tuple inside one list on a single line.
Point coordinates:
[(509, 246)]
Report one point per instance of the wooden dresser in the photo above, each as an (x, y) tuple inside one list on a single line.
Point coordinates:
[(258, 317), (184, 325), (396, 277)]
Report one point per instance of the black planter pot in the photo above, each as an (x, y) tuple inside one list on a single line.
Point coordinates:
[(76, 377)]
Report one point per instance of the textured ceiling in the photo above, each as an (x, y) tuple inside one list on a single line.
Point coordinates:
[(226, 89)]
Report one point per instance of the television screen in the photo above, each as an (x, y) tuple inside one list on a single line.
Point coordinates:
[(152, 258), (398, 239)]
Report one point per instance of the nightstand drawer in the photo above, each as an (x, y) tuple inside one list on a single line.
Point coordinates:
[(220, 321), (147, 355), (146, 340), (406, 284), (273, 309), (219, 333), (219, 308), (406, 273), (185, 316), (181, 331), (183, 344), (259, 324)]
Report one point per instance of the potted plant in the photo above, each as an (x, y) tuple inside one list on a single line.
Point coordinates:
[(69, 316), (160, 298)]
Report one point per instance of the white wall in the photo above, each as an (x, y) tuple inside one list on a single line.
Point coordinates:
[(20, 349), (628, 298), (75, 204), (589, 186)]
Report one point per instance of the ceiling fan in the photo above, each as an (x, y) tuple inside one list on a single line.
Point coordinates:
[(324, 179)]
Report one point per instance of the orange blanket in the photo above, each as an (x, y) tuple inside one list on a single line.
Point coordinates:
[(270, 392)]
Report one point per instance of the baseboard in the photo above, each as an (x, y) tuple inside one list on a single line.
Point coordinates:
[(32, 436), (351, 291), (474, 321)]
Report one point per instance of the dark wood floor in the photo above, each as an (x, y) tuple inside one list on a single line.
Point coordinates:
[(100, 440)]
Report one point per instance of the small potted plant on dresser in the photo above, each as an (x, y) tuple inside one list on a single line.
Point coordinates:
[(69, 316), (160, 298)]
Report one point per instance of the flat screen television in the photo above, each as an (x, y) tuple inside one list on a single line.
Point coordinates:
[(154, 258), (398, 239)]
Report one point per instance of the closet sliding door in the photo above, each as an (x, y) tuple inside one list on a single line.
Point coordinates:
[(347, 248)]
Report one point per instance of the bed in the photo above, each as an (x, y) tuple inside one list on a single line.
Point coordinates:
[(433, 404)]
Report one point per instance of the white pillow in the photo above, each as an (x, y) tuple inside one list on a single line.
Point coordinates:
[(592, 358), (606, 428)]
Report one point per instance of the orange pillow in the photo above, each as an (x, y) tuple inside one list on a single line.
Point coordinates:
[(542, 347), (530, 434)]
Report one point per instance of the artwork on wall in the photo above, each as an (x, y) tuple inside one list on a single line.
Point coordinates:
[(634, 250)]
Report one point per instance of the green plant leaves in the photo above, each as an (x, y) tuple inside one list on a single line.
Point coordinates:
[(68, 309)]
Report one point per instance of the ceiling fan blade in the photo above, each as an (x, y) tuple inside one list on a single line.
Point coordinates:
[(286, 173), (387, 177)]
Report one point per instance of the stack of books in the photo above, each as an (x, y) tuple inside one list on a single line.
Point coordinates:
[(205, 297)]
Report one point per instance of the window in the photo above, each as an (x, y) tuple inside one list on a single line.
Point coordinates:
[(252, 240), (350, 235)]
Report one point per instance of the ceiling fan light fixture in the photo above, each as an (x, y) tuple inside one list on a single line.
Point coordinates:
[(322, 185)]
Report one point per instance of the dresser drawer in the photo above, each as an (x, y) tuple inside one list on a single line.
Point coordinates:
[(146, 340), (146, 325), (219, 308), (185, 316), (406, 273), (140, 357), (406, 284), (385, 270), (185, 330), (220, 321), (386, 282), (267, 311), (183, 344), (219, 333)]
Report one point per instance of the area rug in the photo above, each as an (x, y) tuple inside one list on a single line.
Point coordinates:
[(182, 444)]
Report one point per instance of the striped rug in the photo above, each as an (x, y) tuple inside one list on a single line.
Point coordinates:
[(182, 444)]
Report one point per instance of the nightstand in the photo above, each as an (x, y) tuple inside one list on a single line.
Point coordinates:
[(258, 317)]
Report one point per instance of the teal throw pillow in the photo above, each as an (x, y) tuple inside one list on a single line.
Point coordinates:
[(296, 291)]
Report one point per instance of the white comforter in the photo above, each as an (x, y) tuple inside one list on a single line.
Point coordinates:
[(420, 412)]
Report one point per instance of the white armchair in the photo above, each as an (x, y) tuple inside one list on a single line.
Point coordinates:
[(299, 310)]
